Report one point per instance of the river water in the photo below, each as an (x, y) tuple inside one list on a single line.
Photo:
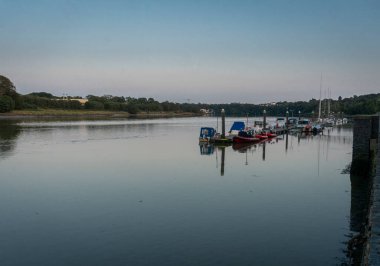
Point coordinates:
[(143, 192)]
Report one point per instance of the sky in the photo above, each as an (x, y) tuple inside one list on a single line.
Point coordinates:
[(192, 51)]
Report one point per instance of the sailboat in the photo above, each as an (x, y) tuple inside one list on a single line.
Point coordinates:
[(320, 100), (318, 125)]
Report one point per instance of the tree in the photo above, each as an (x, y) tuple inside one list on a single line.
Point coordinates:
[(42, 94), (94, 105), (7, 87), (132, 108), (7, 104)]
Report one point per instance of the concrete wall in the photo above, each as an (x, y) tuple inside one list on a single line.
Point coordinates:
[(366, 146), (366, 132)]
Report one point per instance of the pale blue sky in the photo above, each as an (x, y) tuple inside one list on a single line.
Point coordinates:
[(205, 51)]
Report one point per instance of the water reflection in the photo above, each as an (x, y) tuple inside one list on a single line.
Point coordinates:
[(9, 132), (286, 142), (243, 147), (322, 149), (360, 202), (223, 149), (321, 143), (264, 150), (206, 148), (360, 189)]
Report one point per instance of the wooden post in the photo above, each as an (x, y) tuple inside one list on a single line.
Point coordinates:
[(286, 142), (223, 124), (222, 162), (264, 151), (287, 120), (264, 119)]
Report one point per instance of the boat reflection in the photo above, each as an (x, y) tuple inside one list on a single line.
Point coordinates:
[(206, 148), (211, 148), (321, 141), (243, 147)]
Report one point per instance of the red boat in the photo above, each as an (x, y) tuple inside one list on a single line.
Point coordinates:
[(261, 136), (270, 135), (239, 139), (244, 137)]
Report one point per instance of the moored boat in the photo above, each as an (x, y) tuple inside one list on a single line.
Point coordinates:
[(280, 122), (270, 134), (316, 128), (261, 136), (304, 125), (206, 134), (245, 137), (236, 127)]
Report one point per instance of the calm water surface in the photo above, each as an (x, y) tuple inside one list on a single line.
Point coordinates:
[(143, 192)]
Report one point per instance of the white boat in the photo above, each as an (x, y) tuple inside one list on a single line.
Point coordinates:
[(304, 125)]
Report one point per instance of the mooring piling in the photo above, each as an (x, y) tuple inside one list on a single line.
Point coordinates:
[(264, 118), (223, 124), (287, 120)]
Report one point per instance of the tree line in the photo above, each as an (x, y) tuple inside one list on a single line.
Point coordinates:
[(10, 100), (364, 104)]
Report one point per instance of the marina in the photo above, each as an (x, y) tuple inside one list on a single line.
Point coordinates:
[(241, 132)]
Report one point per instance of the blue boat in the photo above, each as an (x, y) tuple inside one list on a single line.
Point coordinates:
[(206, 134), (237, 126)]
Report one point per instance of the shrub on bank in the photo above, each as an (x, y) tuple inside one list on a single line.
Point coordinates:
[(33, 102), (94, 105), (7, 104)]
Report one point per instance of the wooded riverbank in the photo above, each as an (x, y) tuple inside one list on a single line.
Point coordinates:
[(90, 114)]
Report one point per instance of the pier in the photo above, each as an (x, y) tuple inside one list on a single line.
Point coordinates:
[(366, 162)]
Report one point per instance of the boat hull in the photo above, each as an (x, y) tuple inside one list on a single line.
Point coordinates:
[(271, 135), (261, 137), (239, 139)]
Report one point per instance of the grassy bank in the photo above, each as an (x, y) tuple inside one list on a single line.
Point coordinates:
[(90, 113)]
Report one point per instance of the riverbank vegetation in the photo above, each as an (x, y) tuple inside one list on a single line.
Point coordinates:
[(46, 103)]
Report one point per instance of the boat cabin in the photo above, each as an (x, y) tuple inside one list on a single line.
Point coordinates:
[(304, 125), (258, 123), (292, 121), (206, 134), (280, 122)]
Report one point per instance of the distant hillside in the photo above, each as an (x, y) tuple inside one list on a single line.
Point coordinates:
[(364, 104)]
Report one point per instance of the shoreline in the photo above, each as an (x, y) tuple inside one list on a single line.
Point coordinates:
[(56, 113)]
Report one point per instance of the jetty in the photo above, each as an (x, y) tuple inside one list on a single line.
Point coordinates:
[(366, 163), (223, 139)]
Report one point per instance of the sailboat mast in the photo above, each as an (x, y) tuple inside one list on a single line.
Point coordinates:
[(320, 96), (324, 103), (328, 102)]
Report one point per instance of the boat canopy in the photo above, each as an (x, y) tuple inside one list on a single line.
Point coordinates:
[(207, 132), (238, 126), (303, 122), (245, 134)]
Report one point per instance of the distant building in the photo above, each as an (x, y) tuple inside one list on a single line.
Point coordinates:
[(82, 101), (207, 112)]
